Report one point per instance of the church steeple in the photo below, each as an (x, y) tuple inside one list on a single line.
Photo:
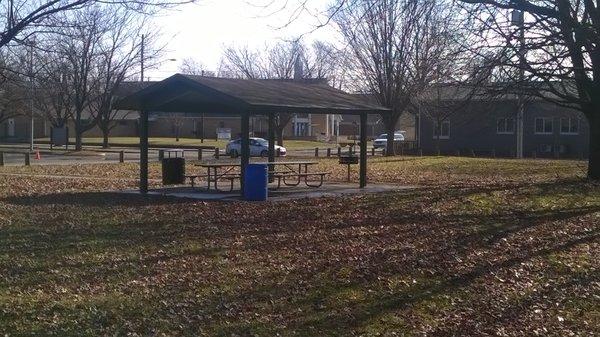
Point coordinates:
[(298, 68)]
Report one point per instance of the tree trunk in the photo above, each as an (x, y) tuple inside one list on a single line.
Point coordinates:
[(105, 133), (279, 134), (594, 156), (390, 146), (78, 140)]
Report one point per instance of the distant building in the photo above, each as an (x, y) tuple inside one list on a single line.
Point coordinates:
[(18, 128), (488, 127), (482, 125)]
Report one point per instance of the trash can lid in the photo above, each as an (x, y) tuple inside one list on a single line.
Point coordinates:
[(176, 152)]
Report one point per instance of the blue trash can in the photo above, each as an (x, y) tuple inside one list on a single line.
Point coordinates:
[(256, 179)]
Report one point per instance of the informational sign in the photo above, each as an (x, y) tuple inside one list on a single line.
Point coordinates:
[(224, 133), (60, 136)]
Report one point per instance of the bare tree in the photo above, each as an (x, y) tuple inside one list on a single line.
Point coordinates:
[(99, 47), (22, 18), (275, 62), (190, 66), (243, 63), (53, 98), (12, 102), (557, 57), (325, 61), (78, 43), (14, 92), (117, 60), (398, 47), (284, 60)]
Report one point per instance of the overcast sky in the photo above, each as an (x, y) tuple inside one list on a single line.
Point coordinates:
[(201, 31)]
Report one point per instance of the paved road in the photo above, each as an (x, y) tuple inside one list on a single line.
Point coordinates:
[(99, 155), (70, 159)]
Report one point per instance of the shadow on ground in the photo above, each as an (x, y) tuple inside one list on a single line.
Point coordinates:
[(430, 261), (93, 199)]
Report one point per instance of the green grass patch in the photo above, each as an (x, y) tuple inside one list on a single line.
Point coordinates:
[(173, 142)]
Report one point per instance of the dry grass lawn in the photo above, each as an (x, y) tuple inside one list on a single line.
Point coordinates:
[(483, 247)]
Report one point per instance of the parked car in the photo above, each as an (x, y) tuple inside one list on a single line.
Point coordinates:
[(381, 141), (258, 147)]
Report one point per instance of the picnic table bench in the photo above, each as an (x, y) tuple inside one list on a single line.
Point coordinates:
[(214, 175), (294, 169), (285, 171), (231, 177), (282, 177), (193, 177)]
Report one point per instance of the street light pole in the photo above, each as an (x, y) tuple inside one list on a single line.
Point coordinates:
[(518, 20), (32, 122)]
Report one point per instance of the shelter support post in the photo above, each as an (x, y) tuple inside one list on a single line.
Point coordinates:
[(144, 152), (271, 144), (363, 150), (245, 146)]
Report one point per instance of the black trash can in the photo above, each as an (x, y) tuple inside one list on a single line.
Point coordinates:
[(173, 168)]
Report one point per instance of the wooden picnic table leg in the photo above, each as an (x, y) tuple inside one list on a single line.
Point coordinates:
[(208, 179), (306, 176), (315, 185), (300, 169), (216, 180), (293, 184)]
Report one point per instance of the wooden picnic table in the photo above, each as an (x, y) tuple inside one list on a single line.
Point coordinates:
[(218, 171)]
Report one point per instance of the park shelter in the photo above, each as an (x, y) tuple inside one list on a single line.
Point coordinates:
[(245, 97)]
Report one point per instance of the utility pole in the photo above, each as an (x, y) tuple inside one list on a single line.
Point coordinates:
[(202, 128), (142, 58), (518, 20)]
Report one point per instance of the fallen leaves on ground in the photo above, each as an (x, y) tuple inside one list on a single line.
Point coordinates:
[(478, 249)]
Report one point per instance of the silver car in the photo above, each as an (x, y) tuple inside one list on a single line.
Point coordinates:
[(259, 147), (381, 141)]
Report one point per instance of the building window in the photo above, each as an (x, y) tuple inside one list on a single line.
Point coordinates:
[(442, 130), (543, 125), (505, 126), (569, 126)]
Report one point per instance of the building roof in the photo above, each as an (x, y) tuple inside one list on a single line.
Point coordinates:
[(188, 93), (493, 91), (128, 88)]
